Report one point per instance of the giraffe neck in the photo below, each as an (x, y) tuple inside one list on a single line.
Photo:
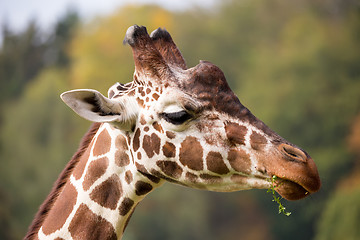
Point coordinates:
[(101, 193)]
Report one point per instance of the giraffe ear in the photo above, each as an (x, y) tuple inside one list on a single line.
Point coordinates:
[(93, 106)]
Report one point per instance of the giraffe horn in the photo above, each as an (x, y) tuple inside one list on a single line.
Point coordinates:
[(148, 60), (168, 49)]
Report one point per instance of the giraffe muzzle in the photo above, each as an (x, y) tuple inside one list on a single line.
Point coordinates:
[(298, 175)]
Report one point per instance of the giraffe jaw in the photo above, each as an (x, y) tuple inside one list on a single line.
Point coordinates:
[(287, 189), (299, 183), (290, 190)]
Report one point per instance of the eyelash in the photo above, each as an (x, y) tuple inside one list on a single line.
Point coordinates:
[(177, 118)]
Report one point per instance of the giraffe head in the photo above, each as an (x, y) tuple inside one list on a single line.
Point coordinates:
[(188, 127)]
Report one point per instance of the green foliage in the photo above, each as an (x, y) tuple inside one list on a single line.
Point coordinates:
[(39, 137), (276, 198), (21, 58), (188, 220), (23, 55), (65, 28), (341, 217)]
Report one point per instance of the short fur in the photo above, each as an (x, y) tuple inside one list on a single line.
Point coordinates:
[(60, 183)]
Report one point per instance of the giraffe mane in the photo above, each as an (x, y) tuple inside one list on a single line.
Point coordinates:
[(60, 183)]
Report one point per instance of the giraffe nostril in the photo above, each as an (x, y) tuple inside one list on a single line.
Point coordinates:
[(293, 153)]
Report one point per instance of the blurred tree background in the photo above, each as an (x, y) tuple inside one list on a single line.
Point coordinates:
[(294, 64)]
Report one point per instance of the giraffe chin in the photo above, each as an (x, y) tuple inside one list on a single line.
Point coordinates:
[(291, 190)]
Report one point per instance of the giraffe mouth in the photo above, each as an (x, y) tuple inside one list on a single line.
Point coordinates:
[(296, 173), (290, 190)]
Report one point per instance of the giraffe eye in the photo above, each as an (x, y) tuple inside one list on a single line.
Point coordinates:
[(177, 118)]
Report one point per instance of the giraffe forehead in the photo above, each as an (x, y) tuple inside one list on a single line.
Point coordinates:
[(204, 87), (201, 88)]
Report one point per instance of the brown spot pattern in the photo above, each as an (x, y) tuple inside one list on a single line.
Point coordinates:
[(142, 188), (128, 177), (121, 143), (215, 163), (169, 150), (136, 140), (170, 168), (151, 145), (191, 153), (95, 170), (142, 120), (87, 225), (138, 155), (125, 206), (257, 141), (155, 96), (143, 171), (103, 143), (108, 193), (162, 176), (80, 167), (158, 127), (239, 161), (192, 177), (61, 210), (235, 133), (122, 158), (170, 135), (140, 167), (140, 102), (131, 93)]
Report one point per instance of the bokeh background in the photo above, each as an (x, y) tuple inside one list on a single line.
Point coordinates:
[(294, 64)]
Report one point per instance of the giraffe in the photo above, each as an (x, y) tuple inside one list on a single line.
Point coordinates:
[(170, 124)]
